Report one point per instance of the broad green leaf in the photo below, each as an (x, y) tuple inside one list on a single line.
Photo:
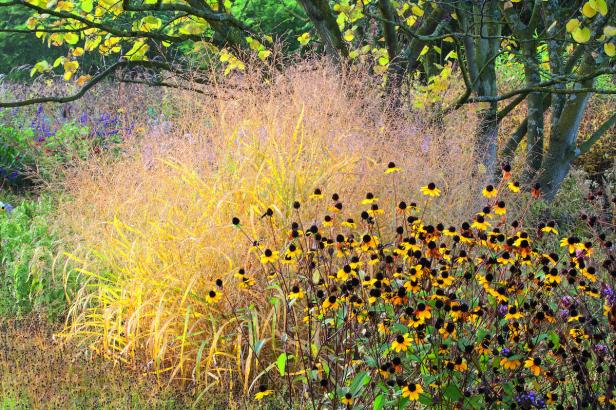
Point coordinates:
[(87, 5), (452, 392), (359, 381), (281, 362), (378, 402)]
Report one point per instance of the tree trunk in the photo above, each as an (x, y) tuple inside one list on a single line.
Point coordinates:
[(487, 138), (561, 150), (486, 48), (324, 21), (534, 101)]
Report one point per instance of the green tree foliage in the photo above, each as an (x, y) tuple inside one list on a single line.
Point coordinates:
[(562, 45), (18, 47)]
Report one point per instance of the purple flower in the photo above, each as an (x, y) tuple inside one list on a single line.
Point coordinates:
[(566, 301), (608, 293), (502, 310), (601, 349)]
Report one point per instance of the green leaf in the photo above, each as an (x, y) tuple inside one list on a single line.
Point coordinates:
[(87, 5), (378, 402), (359, 381), (452, 392), (281, 362)]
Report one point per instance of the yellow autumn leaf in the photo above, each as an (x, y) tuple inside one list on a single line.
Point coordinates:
[(304, 39), (349, 35), (71, 38), (150, 23), (572, 25), (610, 49), (263, 54), (599, 5), (424, 50), (83, 79), (588, 11), (92, 43), (581, 35), (609, 31), (70, 67), (59, 61), (40, 67), (417, 11), (65, 6), (78, 52)]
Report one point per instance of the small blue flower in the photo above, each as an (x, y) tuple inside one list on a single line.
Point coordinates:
[(8, 208)]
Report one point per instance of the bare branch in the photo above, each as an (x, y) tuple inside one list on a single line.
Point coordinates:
[(95, 80)]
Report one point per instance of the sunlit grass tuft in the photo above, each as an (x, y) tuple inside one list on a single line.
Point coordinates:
[(153, 231)]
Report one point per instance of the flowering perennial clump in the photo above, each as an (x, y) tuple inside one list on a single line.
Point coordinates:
[(385, 308)]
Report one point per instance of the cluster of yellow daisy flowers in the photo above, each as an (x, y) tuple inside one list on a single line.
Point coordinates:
[(385, 308)]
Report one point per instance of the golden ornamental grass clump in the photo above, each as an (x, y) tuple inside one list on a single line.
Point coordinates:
[(153, 233)]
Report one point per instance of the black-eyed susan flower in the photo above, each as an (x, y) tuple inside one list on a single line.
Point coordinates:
[(513, 313), (534, 365), (213, 296), (499, 208), (375, 210), (551, 398), (392, 168), (349, 223), (412, 391), (423, 311), (430, 190), (514, 186), (293, 251), (263, 392), (460, 365), (571, 243), (317, 194), (296, 293), (505, 259), (535, 191), (401, 343), (328, 221), (550, 227), (448, 331), (331, 303), (347, 399), (269, 256), (480, 223), (246, 282), (509, 362), (370, 198), (489, 191), (506, 168)]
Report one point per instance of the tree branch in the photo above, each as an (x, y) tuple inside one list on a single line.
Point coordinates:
[(95, 80), (587, 145)]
